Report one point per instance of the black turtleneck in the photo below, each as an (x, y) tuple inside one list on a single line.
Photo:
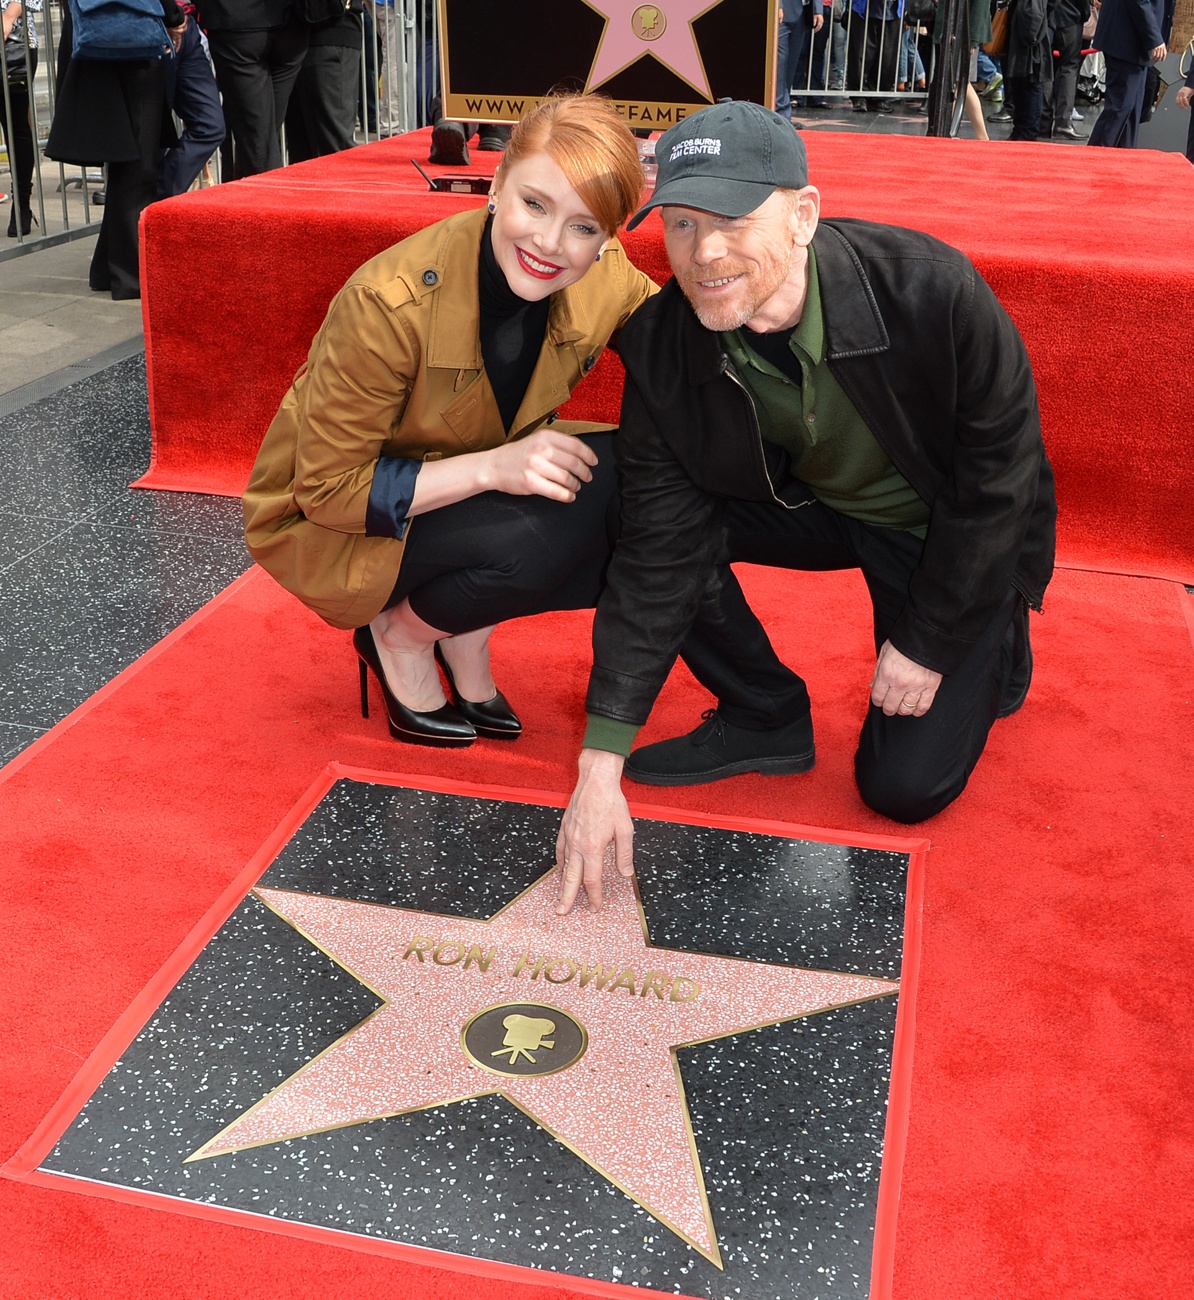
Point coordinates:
[(512, 331)]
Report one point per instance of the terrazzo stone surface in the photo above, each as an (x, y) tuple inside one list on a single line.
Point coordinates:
[(787, 1120), (93, 574), (15, 738), (71, 451)]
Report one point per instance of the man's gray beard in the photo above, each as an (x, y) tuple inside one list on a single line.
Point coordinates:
[(726, 318), (723, 320)]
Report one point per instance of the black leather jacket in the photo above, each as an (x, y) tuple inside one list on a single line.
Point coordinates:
[(937, 370)]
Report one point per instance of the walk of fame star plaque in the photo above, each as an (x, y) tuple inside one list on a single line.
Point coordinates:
[(658, 62), (390, 1034)]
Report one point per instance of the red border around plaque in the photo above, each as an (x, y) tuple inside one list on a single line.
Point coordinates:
[(23, 1166)]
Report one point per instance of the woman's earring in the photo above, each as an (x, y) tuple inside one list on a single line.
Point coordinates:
[(492, 206)]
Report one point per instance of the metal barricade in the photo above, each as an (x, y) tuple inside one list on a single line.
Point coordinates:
[(866, 51), (406, 55), (28, 79)]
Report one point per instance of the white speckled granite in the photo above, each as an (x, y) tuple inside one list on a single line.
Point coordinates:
[(787, 1120)]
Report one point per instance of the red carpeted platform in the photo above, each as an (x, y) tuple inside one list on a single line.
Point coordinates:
[(1090, 250), (1050, 1146)]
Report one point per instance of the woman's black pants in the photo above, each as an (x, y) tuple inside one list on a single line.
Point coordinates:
[(496, 556)]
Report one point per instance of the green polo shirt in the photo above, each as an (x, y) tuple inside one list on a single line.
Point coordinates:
[(829, 446), (807, 413)]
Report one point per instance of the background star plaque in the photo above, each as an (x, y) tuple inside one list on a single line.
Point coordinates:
[(658, 62), (717, 1126)]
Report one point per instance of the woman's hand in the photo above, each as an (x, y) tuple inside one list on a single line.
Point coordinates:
[(12, 11), (546, 464)]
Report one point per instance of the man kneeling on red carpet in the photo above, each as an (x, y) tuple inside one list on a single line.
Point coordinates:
[(811, 395)]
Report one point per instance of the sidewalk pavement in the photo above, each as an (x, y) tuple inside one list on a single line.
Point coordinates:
[(51, 320)]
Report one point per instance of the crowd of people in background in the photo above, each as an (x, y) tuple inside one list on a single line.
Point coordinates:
[(1026, 56), (239, 71)]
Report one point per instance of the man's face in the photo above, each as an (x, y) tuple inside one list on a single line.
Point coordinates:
[(731, 268)]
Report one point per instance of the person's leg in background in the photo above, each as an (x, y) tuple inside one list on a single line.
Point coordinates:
[(1120, 119), (989, 75), (367, 107), (857, 56), (285, 52), (192, 95), (392, 31), (1027, 103), (245, 85), (837, 52), (1068, 43), (322, 111), (907, 46), (887, 53), (132, 183), (18, 140), (820, 73), (802, 63), (791, 36)]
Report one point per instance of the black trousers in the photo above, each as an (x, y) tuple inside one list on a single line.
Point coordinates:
[(496, 556), (132, 185), (322, 114), (906, 768), (873, 53), (1028, 99), (1068, 41), (18, 135), (256, 71), (1123, 104)]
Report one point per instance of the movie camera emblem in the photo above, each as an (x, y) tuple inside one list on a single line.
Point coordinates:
[(524, 1039), (648, 22)]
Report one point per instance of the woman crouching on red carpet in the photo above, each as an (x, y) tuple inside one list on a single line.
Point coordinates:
[(414, 484)]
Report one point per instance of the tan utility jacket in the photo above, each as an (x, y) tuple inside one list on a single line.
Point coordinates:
[(396, 370)]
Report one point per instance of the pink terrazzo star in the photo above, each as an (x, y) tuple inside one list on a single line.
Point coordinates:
[(633, 29), (620, 1106)]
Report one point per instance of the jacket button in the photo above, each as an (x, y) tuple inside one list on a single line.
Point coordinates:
[(812, 417), (590, 361), (430, 277)]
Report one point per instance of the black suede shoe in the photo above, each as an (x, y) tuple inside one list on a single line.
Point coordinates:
[(1019, 648), (717, 748)]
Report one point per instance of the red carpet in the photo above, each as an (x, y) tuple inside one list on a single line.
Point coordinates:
[(1050, 1148), (1090, 250)]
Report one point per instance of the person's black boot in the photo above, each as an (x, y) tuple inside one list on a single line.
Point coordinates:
[(449, 144), (493, 137), (717, 749), (28, 220)]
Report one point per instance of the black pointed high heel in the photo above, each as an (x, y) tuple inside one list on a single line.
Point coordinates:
[(493, 717), (445, 727)]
